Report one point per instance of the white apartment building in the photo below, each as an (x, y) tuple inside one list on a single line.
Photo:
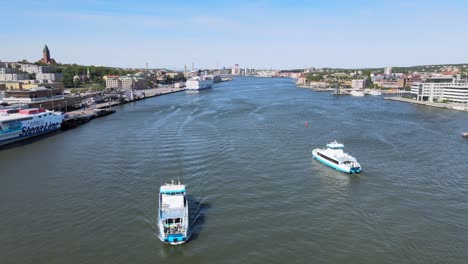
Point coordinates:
[(32, 68), (49, 77), (457, 93), (441, 88), (235, 70), (10, 74), (358, 84)]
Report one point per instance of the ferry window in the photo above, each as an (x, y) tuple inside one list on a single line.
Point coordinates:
[(177, 220), (40, 116)]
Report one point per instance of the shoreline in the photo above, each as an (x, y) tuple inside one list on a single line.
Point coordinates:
[(80, 117), (449, 106)]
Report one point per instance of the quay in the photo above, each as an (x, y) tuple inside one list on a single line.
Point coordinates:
[(450, 106), (79, 117)]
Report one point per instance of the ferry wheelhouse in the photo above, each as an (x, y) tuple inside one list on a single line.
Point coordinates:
[(173, 220), (334, 156)]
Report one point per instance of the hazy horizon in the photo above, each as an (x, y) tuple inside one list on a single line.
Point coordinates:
[(254, 34)]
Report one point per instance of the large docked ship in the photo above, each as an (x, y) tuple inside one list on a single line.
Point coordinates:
[(334, 156), (199, 83), (19, 124), (173, 219)]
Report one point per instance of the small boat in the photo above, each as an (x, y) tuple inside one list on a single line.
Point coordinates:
[(357, 93), (374, 92), (465, 135), (173, 220), (334, 156)]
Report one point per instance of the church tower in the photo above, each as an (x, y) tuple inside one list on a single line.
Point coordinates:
[(46, 55), (88, 75)]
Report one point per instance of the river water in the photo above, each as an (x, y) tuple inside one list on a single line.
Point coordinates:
[(89, 195)]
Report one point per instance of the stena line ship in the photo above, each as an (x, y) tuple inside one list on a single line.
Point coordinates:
[(19, 124)]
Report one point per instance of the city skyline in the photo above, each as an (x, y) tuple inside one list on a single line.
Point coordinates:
[(325, 34)]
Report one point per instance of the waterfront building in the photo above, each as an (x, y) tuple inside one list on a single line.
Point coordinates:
[(235, 70), (113, 82), (441, 88), (390, 83), (140, 83), (127, 82), (12, 85), (303, 81), (358, 84), (457, 93), (388, 70), (411, 79), (32, 95), (46, 56)]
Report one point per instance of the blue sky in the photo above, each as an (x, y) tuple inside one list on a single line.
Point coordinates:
[(254, 34)]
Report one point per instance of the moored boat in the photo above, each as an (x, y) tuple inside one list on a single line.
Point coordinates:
[(357, 93), (19, 124), (334, 156), (173, 219), (374, 92)]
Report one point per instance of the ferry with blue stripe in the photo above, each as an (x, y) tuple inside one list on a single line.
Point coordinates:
[(173, 219), (334, 156), (19, 124)]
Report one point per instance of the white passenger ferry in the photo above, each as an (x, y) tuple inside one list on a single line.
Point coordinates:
[(19, 124), (334, 156), (173, 219), (199, 83)]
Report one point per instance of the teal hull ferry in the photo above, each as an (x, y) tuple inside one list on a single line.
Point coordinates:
[(173, 220), (334, 156)]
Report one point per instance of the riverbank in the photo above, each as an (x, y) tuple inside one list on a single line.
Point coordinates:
[(79, 117), (450, 106), (317, 89)]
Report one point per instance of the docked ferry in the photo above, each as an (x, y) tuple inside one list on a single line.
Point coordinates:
[(19, 124), (334, 156), (199, 83), (173, 219)]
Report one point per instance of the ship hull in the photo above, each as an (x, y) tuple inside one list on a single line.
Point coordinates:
[(15, 127), (17, 137)]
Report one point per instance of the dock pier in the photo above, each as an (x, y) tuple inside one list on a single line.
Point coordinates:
[(79, 117)]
